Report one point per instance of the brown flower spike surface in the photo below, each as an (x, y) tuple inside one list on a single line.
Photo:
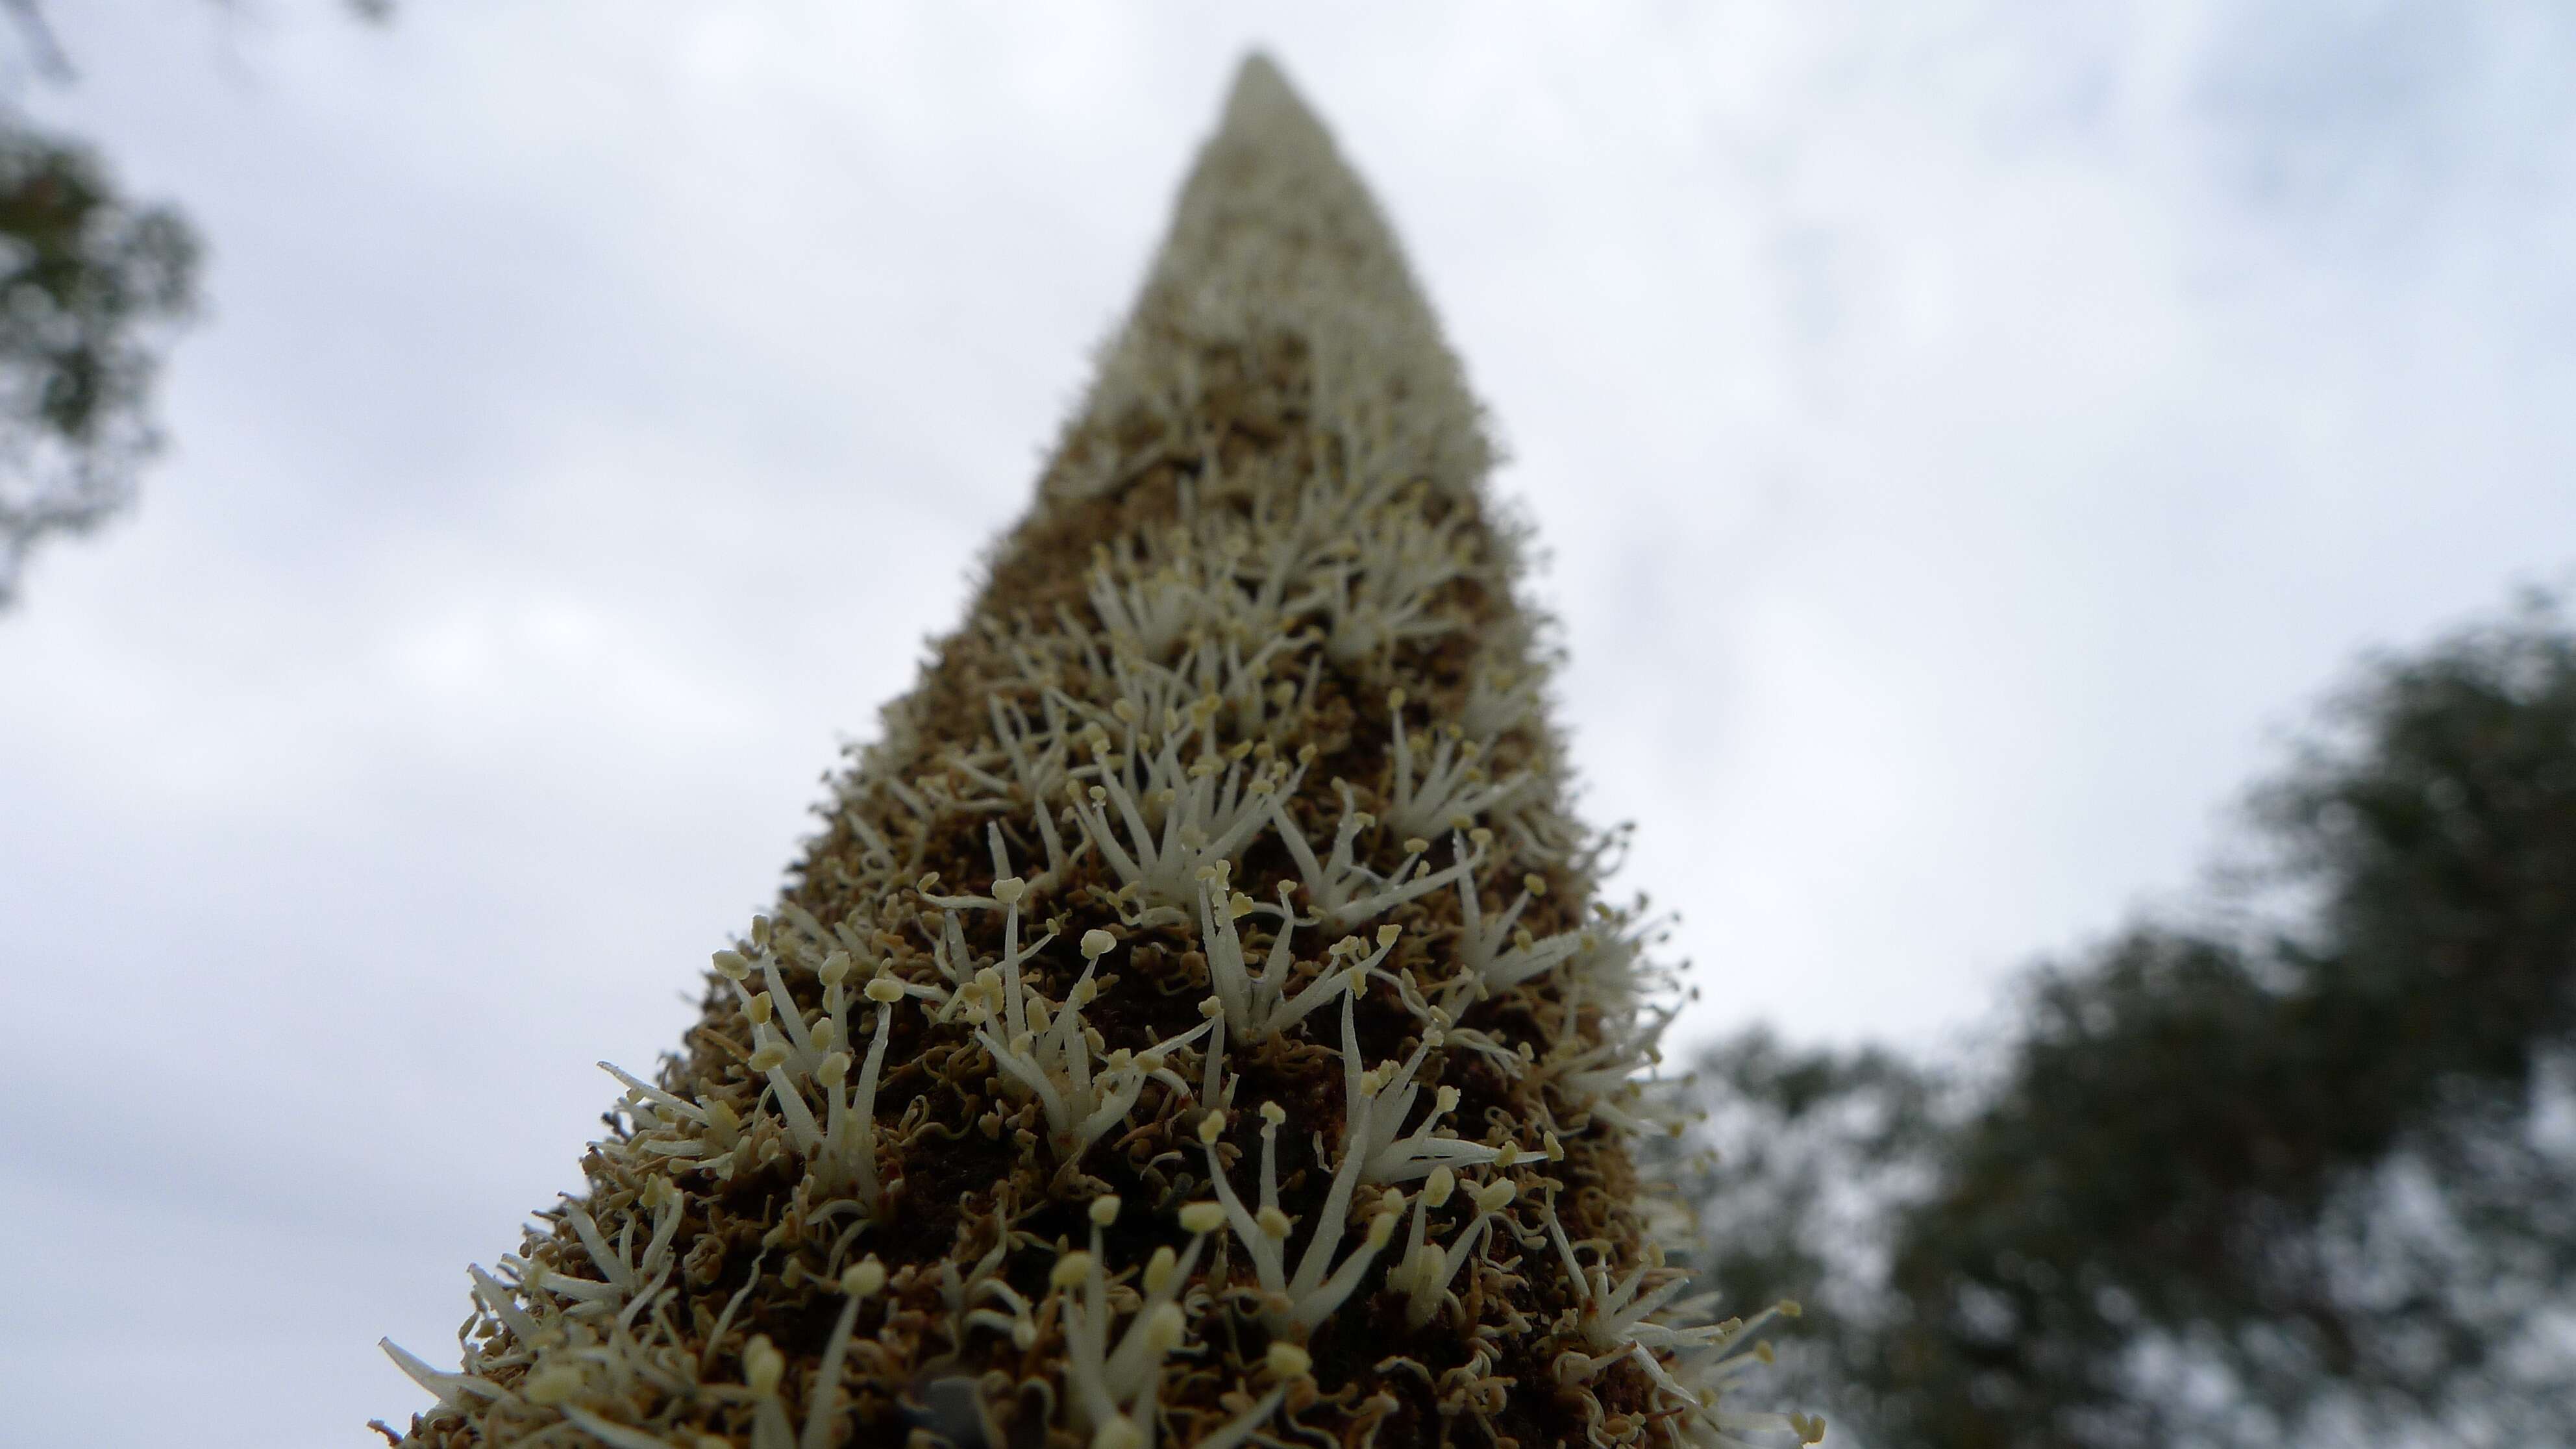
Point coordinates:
[(1193, 1024)]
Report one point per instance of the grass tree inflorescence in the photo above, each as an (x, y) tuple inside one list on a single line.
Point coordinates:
[(1194, 1023)]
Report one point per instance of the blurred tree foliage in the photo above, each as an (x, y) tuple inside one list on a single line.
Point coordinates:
[(89, 281), (2306, 1175), (91, 284), (86, 279)]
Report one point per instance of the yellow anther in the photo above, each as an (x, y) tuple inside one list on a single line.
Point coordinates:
[(865, 1278), (1104, 1209), (1202, 1217)]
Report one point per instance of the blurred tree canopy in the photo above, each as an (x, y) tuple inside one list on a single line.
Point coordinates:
[(89, 282), (87, 277), (2306, 1175)]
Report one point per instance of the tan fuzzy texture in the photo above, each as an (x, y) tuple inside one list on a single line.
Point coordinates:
[(1194, 1023)]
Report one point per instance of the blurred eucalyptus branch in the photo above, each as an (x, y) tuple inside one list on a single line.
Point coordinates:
[(92, 285), (88, 280), (91, 282), (2309, 1177)]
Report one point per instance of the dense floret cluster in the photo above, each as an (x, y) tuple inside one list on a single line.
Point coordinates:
[(1194, 1022)]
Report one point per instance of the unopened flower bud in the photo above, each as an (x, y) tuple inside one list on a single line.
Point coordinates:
[(762, 1365)]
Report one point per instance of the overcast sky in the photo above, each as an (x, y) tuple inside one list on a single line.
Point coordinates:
[(1968, 437)]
